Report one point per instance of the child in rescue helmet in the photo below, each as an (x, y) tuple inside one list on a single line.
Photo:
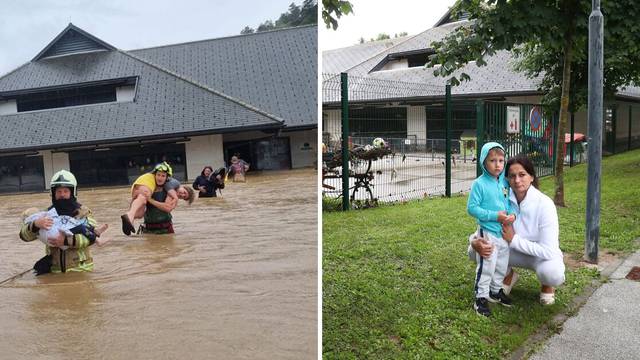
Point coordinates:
[(489, 203), (143, 188)]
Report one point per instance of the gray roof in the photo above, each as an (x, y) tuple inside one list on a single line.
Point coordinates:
[(339, 60), (192, 109), (72, 40), (498, 77), (240, 83), (274, 71)]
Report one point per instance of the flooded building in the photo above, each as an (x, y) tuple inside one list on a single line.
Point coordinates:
[(109, 115)]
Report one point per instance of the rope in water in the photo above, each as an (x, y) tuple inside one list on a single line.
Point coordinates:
[(14, 276)]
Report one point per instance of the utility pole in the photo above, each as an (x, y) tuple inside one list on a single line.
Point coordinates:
[(596, 31)]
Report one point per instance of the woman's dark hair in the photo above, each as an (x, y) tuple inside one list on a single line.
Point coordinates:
[(526, 163), (205, 168)]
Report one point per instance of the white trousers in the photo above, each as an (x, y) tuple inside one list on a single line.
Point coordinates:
[(549, 272), (490, 272)]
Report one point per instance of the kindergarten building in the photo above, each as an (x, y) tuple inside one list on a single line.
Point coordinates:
[(397, 65), (108, 115)]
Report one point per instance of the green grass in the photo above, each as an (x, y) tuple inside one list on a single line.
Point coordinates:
[(397, 282)]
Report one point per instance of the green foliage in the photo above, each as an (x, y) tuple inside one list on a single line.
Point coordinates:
[(397, 282), (536, 31), (332, 10), (331, 204), (296, 16), (381, 36)]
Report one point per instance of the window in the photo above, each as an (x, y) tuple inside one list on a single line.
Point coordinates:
[(96, 92), (404, 60), (67, 97), (375, 122)]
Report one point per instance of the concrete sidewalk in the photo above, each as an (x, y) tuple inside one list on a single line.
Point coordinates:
[(606, 327)]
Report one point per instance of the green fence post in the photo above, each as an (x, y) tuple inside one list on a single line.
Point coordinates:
[(479, 133), (447, 160), (345, 139)]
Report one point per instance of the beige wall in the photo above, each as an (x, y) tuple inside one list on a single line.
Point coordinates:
[(417, 123), (332, 125), (52, 163), (301, 155), (202, 151)]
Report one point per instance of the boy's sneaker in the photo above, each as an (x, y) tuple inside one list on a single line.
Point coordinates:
[(481, 306), (500, 297)]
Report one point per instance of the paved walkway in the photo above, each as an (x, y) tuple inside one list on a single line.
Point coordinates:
[(606, 327)]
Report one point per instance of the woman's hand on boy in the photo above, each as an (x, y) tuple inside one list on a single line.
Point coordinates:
[(483, 247), (507, 232)]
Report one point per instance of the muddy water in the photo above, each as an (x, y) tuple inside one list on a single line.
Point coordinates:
[(237, 280)]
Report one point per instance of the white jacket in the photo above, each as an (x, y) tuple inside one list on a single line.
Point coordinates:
[(536, 225)]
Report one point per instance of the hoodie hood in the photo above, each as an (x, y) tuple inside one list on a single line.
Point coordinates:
[(485, 152)]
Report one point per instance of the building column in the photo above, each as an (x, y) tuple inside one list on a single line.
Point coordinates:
[(52, 163), (203, 151)]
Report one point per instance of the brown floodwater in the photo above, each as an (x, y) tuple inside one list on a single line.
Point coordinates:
[(237, 280)]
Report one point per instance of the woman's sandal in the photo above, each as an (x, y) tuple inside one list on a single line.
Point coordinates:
[(514, 279), (547, 299)]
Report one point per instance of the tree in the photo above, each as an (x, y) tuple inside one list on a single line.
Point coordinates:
[(266, 26), (247, 30), (381, 36), (549, 38), (332, 10), (296, 16)]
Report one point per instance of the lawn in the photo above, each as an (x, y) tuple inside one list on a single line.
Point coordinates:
[(397, 282)]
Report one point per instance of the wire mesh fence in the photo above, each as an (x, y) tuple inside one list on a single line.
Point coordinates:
[(413, 170), (410, 117)]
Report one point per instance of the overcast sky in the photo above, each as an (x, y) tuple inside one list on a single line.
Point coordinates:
[(27, 26), (372, 17)]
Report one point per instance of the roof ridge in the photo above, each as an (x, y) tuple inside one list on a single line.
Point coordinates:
[(227, 37), (386, 49), (402, 38), (204, 87)]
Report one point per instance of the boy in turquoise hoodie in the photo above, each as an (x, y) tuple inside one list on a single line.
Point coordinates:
[(489, 204)]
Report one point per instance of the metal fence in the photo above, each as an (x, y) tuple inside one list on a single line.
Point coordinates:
[(417, 166), (412, 171), (522, 129)]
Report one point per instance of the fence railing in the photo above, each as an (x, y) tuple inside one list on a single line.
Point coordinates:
[(412, 171), (415, 120)]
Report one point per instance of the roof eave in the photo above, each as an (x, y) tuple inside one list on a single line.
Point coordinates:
[(135, 140)]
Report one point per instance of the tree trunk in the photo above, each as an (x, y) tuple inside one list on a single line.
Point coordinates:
[(564, 115)]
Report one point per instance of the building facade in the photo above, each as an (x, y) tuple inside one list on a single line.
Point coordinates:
[(109, 115)]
